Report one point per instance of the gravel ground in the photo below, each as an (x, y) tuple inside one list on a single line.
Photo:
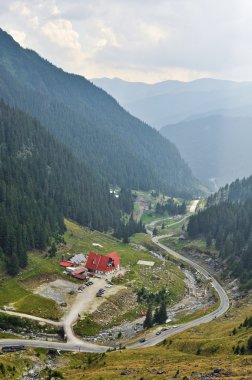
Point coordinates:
[(58, 290)]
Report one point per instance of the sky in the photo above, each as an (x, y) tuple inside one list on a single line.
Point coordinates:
[(137, 40)]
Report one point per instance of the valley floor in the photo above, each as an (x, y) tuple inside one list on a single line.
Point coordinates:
[(202, 352)]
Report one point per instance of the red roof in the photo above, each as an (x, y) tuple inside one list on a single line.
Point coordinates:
[(79, 270), (102, 263), (78, 276), (66, 264), (114, 256)]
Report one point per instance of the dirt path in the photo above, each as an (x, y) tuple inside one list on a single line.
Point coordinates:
[(85, 303), (28, 316), (143, 205)]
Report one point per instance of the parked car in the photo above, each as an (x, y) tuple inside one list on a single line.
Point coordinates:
[(89, 283), (158, 332)]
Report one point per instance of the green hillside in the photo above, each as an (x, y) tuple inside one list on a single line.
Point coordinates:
[(99, 132), (226, 224), (40, 183)]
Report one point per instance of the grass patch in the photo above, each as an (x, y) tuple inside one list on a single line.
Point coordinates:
[(11, 291), (80, 239), (149, 216), (35, 305), (17, 291), (183, 246), (87, 327)]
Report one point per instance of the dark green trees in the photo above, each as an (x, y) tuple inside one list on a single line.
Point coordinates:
[(126, 201), (171, 207), (160, 315), (148, 322), (113, 144), (155, 231), (40, 183), (227, 223), (124, 230)]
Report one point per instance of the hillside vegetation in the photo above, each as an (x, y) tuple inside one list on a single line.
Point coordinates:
[(226, 223), (40, 183), (206, 351), (111, 142)]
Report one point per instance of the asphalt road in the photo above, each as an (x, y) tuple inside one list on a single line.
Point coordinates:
[(152, 339), (83, 347), (223, 307)]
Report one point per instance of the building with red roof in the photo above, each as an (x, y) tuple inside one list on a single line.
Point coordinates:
[(80, 270), (102, 263), (79, 276), (66, 264), (79, 273)]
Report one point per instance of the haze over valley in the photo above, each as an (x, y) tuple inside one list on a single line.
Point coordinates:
[(208, 120), (126, 199)]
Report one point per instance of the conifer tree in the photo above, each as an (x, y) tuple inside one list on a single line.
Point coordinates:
[(148, 322)]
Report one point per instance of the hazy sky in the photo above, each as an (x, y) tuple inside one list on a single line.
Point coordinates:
[(144, 40)]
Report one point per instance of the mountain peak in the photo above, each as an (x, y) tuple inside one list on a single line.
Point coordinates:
[(115, 145)]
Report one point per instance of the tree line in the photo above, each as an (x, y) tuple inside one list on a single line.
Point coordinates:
[(121, 149), (171, 207), (40, 184), (226, 223)]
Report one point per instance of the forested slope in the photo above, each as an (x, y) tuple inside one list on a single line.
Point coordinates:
[(40, 183), (226, 223), (239, 190), (111, 142)]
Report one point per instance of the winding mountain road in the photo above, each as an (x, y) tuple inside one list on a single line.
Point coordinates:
[(153, 339), (223, 306), (76, 344)]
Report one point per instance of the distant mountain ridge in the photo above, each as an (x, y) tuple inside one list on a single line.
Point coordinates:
[(217, 148), (171, 101), (112, 143)]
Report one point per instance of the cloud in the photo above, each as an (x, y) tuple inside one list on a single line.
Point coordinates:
[(20, 7), (152, 32), (61, 32), (156, 40)]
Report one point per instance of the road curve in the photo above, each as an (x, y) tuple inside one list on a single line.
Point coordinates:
[(223, 297), (82, 346)]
